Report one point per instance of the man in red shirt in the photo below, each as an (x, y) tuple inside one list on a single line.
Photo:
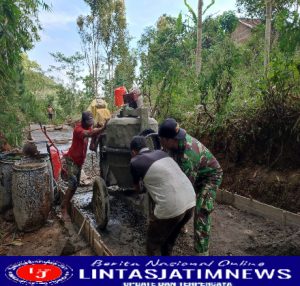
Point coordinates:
[(76, 156)]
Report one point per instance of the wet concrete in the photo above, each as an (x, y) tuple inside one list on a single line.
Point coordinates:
[(62, 138), (234, 232)]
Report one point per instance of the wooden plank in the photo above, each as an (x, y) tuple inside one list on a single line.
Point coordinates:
[(292, 218), (242, 203), (268, 211), (257, 208), (227, 198), (89, 233), (219, 196)]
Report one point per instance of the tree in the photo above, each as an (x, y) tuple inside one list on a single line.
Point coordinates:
[(89, 31), (71, 68), (199, 38), (287, 26), (228, 21), (35, 80), (125, 70), (268, 31), (114, 33), (257, 8), (104, 30), (167, 58), (19, 27), (283, 16)]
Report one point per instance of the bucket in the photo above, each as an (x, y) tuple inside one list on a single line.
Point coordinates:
[(119, 95), (32, 194), (6, 169), (55, 161)]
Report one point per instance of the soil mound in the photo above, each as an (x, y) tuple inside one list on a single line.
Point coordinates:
[(260, 156)]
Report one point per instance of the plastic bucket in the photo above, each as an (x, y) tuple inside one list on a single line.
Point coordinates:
[(119, 96), (56, 163)]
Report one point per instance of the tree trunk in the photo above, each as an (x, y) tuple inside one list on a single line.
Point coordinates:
[(199, 39), (268, 34)]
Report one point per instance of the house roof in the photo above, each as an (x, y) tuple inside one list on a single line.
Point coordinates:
[(251, 23)]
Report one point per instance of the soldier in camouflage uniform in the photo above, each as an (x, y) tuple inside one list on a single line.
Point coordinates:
[(203, 170)]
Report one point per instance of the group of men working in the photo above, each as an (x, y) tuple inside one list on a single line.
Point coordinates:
[(182, 180)]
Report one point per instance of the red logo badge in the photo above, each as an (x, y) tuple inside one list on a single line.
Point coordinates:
[(39, 272)]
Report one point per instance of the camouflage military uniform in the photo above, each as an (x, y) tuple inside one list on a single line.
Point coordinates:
[(205, 173)]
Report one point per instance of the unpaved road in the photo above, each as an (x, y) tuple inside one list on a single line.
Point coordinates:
[(234, 232)]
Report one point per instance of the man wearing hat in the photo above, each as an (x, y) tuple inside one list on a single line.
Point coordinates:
[(203, 170), (134, 98), (76, 156)]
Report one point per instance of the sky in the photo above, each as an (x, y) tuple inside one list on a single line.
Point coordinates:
[(60, 34)]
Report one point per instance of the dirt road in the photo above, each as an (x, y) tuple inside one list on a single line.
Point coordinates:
[(234, 232)]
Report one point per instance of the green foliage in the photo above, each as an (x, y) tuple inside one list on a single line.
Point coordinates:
[(71, 99), (191, 11), (228, 21), (231, 88), (33, 108), (125, 70), (89, 32), (287, 25), (104, 30), (19, 28), (252, 8), (166, 54), (167, 60), (39, 91), (282, 82), (36, 81), (65, 98), (208, 6), (71, 67), (256, 8), (232, 96), (220, 63)]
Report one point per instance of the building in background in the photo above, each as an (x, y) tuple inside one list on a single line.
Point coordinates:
[(244, 29)]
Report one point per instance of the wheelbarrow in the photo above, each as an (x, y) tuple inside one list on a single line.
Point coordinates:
[(56, 160)]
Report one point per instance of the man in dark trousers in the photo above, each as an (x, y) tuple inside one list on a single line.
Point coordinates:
[(76, 156), (50, 112), (171, 191), (203, 170)]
